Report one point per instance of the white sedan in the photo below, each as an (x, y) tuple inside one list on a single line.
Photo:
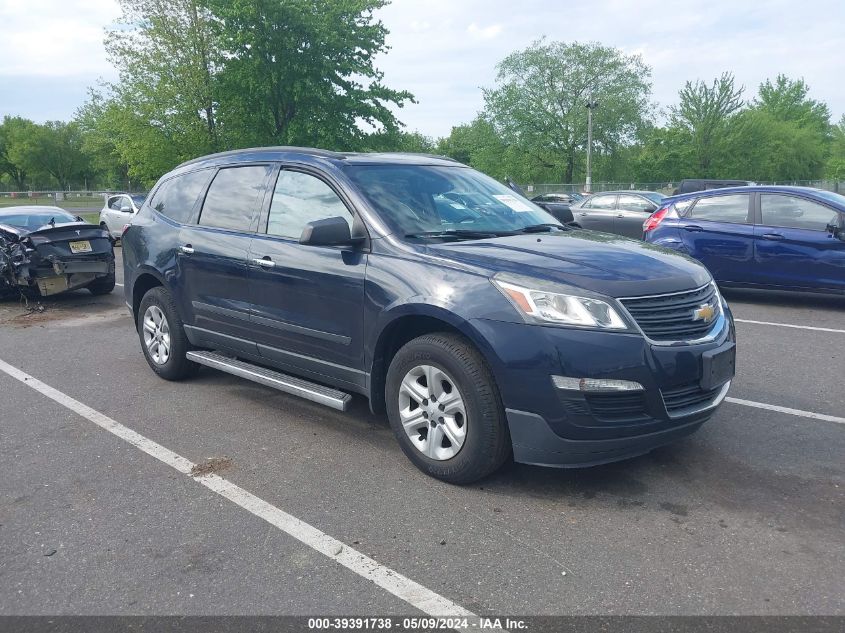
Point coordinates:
[(119, 209)]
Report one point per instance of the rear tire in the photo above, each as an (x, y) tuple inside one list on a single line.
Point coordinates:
[(474, 441), (102, 285), (162, 335)]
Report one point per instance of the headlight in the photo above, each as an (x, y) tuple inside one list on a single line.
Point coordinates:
[(541, 305)]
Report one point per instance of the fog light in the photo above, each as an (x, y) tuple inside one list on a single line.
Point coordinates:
[(595, 384)]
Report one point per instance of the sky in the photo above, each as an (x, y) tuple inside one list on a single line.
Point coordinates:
[(445, 51)]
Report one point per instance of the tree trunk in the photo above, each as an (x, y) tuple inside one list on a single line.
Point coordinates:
[(570, 168)]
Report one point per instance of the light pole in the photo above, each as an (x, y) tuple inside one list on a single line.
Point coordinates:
[(590, 105)]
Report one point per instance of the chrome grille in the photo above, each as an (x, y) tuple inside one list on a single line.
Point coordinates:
[(671, 317)]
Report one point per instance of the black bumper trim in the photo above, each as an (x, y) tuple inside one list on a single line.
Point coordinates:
[(535, 443)]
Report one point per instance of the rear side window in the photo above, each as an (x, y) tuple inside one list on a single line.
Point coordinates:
[(796, 213), (732, 209), (601, 202), (175, 198), (234, 197), (299, 199)]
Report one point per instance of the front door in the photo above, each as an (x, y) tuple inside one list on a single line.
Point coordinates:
[(213, 257), (631, 211), (307, 301), (793, 246)]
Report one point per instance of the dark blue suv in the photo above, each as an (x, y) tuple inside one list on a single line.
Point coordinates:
[(481, 325), (786, 238)]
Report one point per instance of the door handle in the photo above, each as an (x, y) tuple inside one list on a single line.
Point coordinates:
[(692, 228), (620, 215), (265, 262), (772, 236), (187, 249), (583, 214)]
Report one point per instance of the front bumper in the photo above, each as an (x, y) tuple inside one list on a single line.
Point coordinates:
[(556, 427)]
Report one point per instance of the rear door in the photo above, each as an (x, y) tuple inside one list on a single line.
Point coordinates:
[(597, 213), (717, 231), (308, 301), (631, 211), (213, 257), (793, 246)]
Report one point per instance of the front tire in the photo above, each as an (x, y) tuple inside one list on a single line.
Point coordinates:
[(445, 409), (163, 338)]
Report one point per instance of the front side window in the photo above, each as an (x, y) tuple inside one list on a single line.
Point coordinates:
[(796, 213), (175, 198), (114, 203), (298, 199), (635, 203), (444, 202), (732, 209), (233, 197)]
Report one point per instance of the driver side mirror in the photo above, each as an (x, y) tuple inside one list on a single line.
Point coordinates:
[(125, 208), (836, 231), (332, 231)]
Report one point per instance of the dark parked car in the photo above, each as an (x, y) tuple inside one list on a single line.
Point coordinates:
[(48, 250), (691, 185), (490, 332), (558, 204), (776, 237), (620, 212)]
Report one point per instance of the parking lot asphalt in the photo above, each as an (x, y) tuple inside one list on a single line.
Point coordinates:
[(744, 517)]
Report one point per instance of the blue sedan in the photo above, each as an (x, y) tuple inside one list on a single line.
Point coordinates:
[(789, 238)]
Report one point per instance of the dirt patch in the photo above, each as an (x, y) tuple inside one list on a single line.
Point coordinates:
[(211, 465), (76, 311)]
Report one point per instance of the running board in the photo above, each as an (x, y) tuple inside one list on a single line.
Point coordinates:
[(277, 380)]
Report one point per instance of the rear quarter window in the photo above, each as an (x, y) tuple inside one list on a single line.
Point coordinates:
[(175, 198)]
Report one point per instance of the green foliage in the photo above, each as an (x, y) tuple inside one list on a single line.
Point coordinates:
[(539, 102), (705, 113)]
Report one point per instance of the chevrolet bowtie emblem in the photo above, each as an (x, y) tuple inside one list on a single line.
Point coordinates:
[(704, 312)]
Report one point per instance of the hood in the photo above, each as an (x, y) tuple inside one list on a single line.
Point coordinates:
[(599, 262)]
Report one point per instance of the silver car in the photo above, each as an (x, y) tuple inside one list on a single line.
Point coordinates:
[(620, 212), (117, 212)]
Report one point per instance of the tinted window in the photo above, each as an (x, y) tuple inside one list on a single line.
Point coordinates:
[(299, 199), (175, 198), (636, 203), (722, 209), (233, 197), (796, 213), (114, 203), (601, 202), (35, 220)]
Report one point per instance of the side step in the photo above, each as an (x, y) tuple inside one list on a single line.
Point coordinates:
[(289, 384)]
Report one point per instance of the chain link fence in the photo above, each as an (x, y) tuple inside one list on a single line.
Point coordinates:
[(536, 189), (79, 201)]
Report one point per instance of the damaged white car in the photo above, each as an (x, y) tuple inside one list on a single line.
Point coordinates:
[(48, 250)]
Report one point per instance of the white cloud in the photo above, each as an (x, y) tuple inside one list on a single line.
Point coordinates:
[(444, 51), (54, 39)]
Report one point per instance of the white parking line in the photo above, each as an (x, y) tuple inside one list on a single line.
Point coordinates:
[(413, 593), (779, 409), (117, 284), (797, 327)]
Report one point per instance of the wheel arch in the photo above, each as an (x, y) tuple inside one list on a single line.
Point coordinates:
[(406, 323), (145, 281)]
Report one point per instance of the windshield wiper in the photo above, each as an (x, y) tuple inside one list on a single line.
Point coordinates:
[(541, 228), (460, 233)]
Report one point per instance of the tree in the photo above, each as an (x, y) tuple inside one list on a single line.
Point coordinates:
[(54, 149), (835, 167), (786, 100), (302, 72), (705, 113), (14, 135), (539, 102)]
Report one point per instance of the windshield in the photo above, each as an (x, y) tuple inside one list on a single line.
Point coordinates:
[(33, 221), (654, 196), (836, 198), (415, 200)]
